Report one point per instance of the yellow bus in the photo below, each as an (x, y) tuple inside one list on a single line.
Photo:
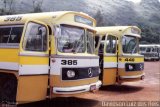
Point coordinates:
[(45, 55), (118, 49)]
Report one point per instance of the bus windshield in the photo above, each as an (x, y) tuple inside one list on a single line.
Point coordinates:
[(130, 44), (90, 42), (71, 39)]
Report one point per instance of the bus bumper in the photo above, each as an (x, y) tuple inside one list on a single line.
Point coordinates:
[(151, 58), (141, 77), (77, 89)]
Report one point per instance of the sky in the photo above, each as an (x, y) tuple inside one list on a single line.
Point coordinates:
[(136, 1)]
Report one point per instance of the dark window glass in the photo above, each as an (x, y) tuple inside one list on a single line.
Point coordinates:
[(97, 38), (15, 35), (4, 34), (142, 48), (148, 49), (111, 44), (101, 47), (10, 34), (130, 44), (35, 38)]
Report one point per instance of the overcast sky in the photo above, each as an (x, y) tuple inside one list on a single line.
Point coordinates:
[(136, 1)]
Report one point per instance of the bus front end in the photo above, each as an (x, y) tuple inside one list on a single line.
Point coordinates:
[(75, 67), (130, 62)]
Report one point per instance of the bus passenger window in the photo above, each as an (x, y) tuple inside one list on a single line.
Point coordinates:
[(148, 49), (10, 35), (4, 34), (97, 38), (101, 47), (111, 44), (35, 38), (15, 35)]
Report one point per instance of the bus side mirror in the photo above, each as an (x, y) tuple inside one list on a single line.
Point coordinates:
[(42, 31)]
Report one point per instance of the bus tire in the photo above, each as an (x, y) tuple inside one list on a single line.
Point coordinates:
[(9, 89)]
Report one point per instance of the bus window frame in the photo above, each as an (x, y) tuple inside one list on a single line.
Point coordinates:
[(85, 31), (105, 53), (24, 32), (137, 39), (12, 45)]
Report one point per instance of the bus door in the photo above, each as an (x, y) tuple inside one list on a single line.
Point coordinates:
[(101, 54), (33, 62), (110, 60)]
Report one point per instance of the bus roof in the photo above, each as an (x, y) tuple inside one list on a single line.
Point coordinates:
[(53, 16), (119, 30)]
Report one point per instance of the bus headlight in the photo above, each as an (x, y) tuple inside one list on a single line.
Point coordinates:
[(130, 67), (71, 73)]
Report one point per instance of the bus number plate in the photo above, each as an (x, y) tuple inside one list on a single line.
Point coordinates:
[(92, 87), (129, 59), (68, 62)]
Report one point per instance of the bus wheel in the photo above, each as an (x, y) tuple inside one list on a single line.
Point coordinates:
[(119, 82), (9, 90)]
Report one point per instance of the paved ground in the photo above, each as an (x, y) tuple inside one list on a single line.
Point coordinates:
[(146, 90)]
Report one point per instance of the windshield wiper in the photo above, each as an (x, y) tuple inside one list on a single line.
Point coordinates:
[(134, 49)]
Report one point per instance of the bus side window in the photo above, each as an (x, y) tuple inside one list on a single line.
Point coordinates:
[(96, 41), (111, 44), (15, 35), (101, 47), (10, 34), (4, 34), (35, 38)]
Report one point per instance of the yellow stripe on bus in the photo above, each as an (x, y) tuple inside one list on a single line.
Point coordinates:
[(25, 60), (9, 55), (131, 59), (110, 59)]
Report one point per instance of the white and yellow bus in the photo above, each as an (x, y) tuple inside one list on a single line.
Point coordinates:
[(150, 51), (118, 48), (44, 55)]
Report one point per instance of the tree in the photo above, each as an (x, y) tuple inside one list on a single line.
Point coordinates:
[(37, 6), (8, 7), (99, 18)]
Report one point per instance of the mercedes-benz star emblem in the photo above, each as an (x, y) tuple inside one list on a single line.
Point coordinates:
[(141, 66), (90, 73)]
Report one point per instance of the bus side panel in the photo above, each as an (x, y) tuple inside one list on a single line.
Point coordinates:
[(110, 70), (9, 59), (33, 79), (32, 88), (8, 74), (109, 76)]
